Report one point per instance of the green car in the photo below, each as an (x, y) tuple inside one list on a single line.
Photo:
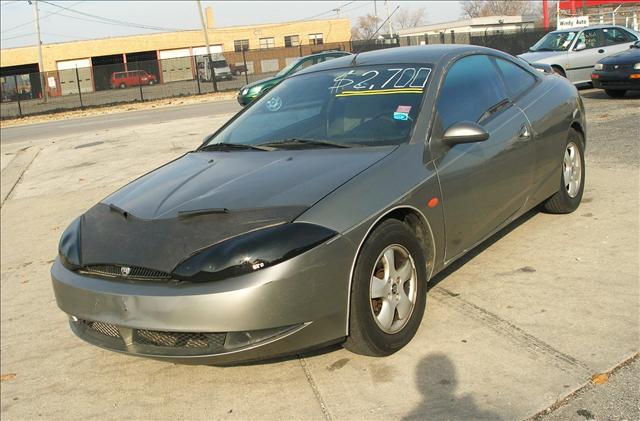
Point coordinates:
[(253, 90)]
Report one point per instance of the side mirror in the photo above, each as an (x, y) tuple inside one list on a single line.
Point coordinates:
[(635, 45), (581, 46), (465, 132)]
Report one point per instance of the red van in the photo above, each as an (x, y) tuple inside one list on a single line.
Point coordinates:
[(131, 78)]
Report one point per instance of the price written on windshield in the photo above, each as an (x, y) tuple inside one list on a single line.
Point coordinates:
[(396, 79)]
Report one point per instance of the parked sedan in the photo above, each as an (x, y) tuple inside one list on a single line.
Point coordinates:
[(249, 92), (574, 52), (619, 73), (320, 218)]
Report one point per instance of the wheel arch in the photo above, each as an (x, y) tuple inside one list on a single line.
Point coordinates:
[(559, 67), (578, 127), (418, 223)]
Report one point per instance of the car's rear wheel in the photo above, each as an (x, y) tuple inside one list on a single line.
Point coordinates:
[(615, 93), (388, 294), (151, 82), (122, 86), (568, 197)]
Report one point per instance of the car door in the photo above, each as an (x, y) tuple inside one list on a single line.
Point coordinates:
[(485, 183), (585, 53)]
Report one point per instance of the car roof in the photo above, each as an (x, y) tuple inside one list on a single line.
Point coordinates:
[(599, 26), (415, 54)]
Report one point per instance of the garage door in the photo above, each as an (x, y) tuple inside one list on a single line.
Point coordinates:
[(176, 65), (67, 76)]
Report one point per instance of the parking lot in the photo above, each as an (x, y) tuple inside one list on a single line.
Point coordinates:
[(521, 323)]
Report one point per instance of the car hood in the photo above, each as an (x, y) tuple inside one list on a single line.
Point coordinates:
[(203, 198), (632, 55), (541, 56), (261, 82)]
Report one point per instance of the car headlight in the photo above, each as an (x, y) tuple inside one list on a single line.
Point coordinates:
[(599, 66), (252, 251), (244, 91), (255, 90), (636, 66), (69, 247)]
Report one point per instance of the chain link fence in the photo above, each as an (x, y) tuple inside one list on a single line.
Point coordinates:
[(134, 81)]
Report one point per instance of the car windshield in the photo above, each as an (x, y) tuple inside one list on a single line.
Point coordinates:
[(554, 41), (363, 106), (218, 64), (288, 67)]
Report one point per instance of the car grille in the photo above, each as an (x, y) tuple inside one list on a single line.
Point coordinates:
[(136, 273), (611, 67), (103, 328), (197, 341)]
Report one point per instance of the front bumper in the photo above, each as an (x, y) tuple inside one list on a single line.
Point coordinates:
[(616, 80), (296, 305)]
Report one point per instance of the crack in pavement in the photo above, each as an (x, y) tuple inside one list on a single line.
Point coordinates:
[(314, 388), (508, 330), (13, 169)]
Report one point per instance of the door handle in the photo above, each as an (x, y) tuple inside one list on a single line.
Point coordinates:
[(601, 50), (524, 132)]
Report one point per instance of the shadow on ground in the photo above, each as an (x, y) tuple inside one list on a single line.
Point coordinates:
[(437, 380)]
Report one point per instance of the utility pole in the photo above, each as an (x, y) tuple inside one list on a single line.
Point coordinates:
[(386, 3), (40, 66), (206, 41)]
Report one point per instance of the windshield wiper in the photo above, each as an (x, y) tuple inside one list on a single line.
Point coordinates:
[(233, 147), (310, 142)]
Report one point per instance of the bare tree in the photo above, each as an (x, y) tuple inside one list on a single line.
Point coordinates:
[(365, 27), (479, 8), (409, 18)]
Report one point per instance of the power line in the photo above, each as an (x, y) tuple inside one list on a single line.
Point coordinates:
[(112, 21), (329, 11), (33, 20)]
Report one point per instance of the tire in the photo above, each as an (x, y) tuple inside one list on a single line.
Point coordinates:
[(615, 93), (151, 83), (367, 335), (122, 86), (568, 197)]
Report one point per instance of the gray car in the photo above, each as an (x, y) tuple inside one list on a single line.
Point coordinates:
[(573, 53), (319, 218)]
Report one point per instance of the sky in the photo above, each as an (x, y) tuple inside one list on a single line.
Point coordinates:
[(59, 24)]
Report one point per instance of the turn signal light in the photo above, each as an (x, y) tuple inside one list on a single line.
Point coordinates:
[(635, 76), (595, 76)]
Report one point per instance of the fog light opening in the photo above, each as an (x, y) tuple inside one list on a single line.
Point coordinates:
[(236, 340)]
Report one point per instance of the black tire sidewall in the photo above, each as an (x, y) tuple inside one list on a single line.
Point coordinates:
[(389, 232)]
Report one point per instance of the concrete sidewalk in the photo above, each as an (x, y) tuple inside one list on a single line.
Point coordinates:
[(518, 325)]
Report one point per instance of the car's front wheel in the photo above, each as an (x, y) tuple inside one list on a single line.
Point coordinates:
[(615, 93), (568, 197), (388, 294)]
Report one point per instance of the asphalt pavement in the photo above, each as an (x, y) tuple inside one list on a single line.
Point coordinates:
[(62, 128)]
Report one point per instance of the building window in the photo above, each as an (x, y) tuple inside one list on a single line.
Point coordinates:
[(316, 39), (267, 43), (241, 45), (291, 41)]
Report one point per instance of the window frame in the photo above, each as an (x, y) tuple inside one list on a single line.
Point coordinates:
[(273, 41), (313, 38), (238, 48), (290, 38)]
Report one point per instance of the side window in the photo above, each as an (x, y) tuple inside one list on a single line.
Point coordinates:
[(516, 78), (614, 36), (472, 85), (590, 38)]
